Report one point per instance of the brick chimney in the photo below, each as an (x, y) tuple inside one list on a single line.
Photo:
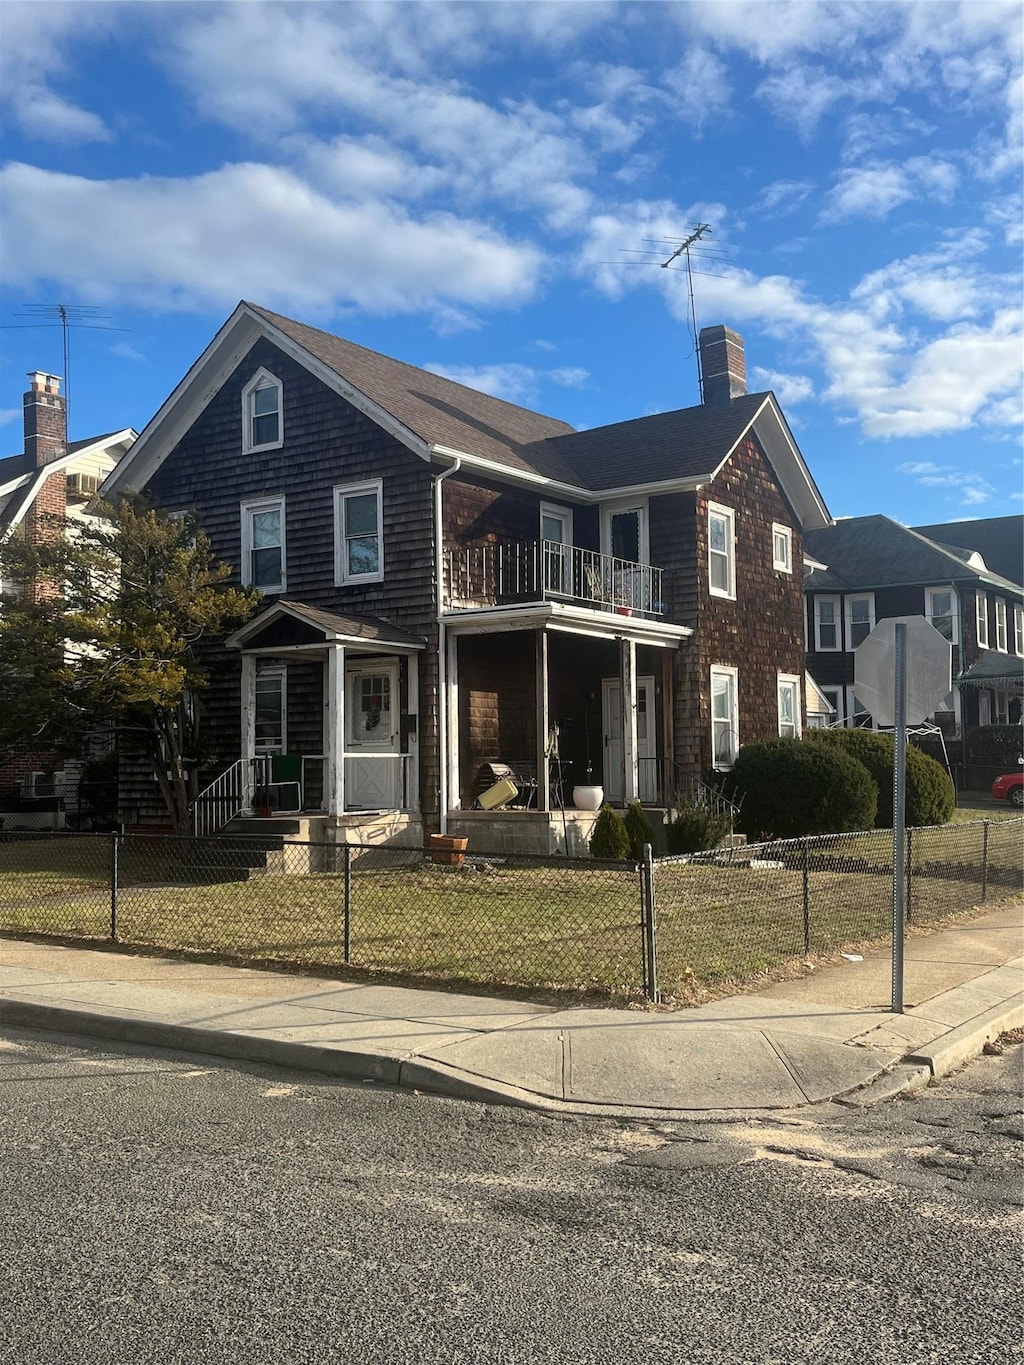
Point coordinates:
[(723, 366), (46, 440)]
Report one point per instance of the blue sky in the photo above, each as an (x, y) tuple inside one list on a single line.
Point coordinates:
[(468, 186)]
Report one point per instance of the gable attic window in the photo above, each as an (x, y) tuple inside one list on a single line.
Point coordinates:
[(721, 551), (262, 422), (782, 548)]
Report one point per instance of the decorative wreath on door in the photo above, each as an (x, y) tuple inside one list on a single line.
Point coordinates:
[(372, 718)]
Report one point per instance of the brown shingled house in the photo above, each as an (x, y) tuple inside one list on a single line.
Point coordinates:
[(453, 582)]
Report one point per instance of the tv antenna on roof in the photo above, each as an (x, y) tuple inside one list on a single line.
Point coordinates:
[(65, 316), (684, 250)]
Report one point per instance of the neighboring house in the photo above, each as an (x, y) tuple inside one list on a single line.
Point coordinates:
[(863, 569), (999, 541), (453, 581), (44, 491)]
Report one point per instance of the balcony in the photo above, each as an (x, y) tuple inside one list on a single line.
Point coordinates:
[(505, 573)]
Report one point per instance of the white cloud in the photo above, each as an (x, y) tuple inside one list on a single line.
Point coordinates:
[(250, 230), (512, 381), (699, 86), (37, 52), (9, 415), (802, 96), (874, 191), (790, 389), (781, 196)]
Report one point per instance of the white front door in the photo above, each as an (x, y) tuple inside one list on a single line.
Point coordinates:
[(646, 739), (373, 777)]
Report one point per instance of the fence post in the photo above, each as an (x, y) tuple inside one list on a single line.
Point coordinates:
[(984, 861), (348, 903), (113, 884), (910, 875), (807, 897), (649, 935)]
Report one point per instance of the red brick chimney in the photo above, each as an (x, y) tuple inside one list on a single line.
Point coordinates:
[(46, 440), (723, 366)]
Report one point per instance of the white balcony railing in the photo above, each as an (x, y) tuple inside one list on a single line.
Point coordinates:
[(505, 572)]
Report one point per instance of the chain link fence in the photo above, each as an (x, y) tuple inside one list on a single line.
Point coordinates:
[(689, 927)]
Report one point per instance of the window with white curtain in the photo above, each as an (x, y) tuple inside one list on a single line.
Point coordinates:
[(789, 706), (725, 738)]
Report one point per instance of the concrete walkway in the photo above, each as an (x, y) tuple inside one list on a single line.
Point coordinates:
[(825, 1036)]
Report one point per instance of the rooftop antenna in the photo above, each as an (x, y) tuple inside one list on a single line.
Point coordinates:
[(65, 316), (690, 245)]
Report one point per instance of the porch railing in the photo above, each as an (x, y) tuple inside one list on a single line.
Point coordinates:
[(662, 782), (228, 795), (507, 572)]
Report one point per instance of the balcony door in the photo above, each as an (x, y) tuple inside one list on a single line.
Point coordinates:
[(556, 537)]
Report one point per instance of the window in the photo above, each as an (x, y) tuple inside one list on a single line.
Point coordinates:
[(782, 548), (262, 422), (263, 561), (1000, 708), (981, 618), (834, 697), (1000, 625), (270, 709), (857, 713), (721, 551), (789, 706), (556, 533), (860, 619), (1018, 630), (939, 604), (826, 623), (359, 533), (725, 739)]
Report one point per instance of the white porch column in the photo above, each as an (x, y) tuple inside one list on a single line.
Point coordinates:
[(334, 737), (450, 701), (412, 793), (248, 701), (543, 723), (627, 682)]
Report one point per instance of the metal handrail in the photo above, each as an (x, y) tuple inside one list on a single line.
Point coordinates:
[(228, 795), (494, 573)]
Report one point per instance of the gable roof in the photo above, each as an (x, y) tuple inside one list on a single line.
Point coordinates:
[(437, 417), (875, 552), (322, 627), (999, 541), (19, 487)]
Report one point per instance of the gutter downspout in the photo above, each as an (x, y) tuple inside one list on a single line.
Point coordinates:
[(442, 651)]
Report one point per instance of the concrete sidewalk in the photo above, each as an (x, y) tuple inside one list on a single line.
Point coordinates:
[(825, 1036)]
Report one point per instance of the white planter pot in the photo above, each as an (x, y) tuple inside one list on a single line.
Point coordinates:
[(587, 798)]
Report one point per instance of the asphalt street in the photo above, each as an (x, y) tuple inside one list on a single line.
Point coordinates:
[(163, 1208)]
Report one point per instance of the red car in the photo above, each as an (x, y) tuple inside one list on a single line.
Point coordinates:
[(1009, 787)]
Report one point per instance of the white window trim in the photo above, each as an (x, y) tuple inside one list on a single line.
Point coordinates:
[(716, 509), (1001, 635), (981, 618), (819, 648), (563, 514), (342, 491), (611, 509), (848, 602), (732, 674), (1018, 629), (783, 565), (262, 379), (796, 682), (839, 693), (929, 596), (277, 671), (247, 511)]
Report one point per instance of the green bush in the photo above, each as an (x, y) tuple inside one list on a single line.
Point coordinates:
[(694, 827), (638, 828), (790, 787), (609, 839), (930, 798)]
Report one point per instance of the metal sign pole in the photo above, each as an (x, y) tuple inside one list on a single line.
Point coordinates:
[(899, 814)]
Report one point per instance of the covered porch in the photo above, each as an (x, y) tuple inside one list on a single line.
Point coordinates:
[(571, 700), (329, 718)]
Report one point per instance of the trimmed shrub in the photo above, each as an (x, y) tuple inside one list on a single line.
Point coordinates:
[(930, 796), (609, 839), (694, 827), (790, 787), (638, 828)]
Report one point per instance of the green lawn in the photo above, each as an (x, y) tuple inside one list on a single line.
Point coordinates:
[(554, 926)]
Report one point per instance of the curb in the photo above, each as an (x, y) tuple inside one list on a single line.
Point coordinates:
[(967, 1040)]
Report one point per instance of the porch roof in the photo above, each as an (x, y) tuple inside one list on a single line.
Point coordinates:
[(294, 625), (564, 616), (994, 669)]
